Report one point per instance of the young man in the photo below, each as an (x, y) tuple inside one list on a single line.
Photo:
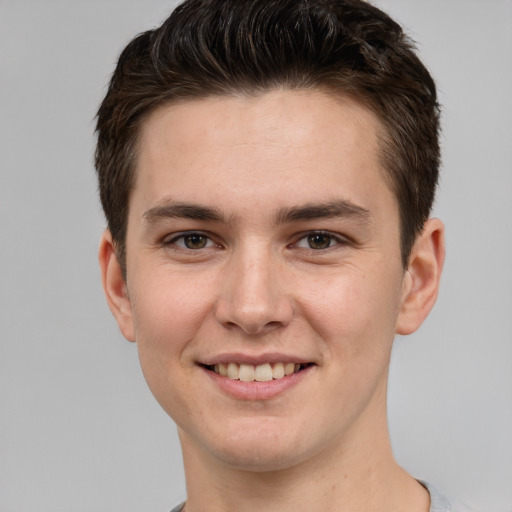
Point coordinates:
[(267, 170)]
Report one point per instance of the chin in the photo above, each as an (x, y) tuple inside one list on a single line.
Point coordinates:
[(263, 445), (260, 459)]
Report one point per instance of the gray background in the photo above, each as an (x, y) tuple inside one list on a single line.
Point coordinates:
[(79, 431)]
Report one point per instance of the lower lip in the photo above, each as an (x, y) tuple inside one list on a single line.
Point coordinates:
[(257, 390)]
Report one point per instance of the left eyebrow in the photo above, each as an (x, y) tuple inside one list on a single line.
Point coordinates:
[(311, 211)]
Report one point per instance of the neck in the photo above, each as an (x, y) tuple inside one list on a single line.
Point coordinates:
[(354, 475)]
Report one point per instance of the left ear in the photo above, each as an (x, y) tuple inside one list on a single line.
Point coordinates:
[(421, 279)]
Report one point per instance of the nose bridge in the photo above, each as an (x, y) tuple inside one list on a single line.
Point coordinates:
[(252, 296)]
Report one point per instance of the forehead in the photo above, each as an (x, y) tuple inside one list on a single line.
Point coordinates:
[(297, 118), (280, 144)]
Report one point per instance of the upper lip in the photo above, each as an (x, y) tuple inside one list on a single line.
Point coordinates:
[(269, 357)]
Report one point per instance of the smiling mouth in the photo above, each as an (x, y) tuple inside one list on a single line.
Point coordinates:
[(256, 373)]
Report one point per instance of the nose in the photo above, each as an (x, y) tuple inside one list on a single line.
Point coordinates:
[(252, 297)]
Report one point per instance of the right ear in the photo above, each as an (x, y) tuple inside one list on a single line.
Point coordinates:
[(114, 286)]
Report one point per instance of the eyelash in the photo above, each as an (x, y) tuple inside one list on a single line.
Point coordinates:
[(209, 243), (337, 239), (189, 234)]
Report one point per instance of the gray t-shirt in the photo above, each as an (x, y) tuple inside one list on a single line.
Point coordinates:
[(438, 503)]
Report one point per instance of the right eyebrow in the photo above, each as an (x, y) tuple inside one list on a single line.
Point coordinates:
[(180, 210)]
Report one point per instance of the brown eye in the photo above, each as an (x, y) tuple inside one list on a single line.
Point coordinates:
[(189, 241), (195, 241), (319, 241)]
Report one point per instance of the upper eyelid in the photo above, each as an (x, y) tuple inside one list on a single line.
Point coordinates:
[(337, 236), (180, 234), (172, 238)]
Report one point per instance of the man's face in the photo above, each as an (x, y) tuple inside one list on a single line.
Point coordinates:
[(262, 235)]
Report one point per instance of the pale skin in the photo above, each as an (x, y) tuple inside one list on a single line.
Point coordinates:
[(262, 229)]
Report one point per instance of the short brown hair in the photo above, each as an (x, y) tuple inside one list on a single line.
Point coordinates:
[(222, 47)]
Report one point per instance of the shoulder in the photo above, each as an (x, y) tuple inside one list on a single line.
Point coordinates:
[(440, 503)]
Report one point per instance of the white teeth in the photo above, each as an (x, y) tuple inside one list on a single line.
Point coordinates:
[(289, 368), (261, 373), (246, 373), (223, 369), (233, 371), (278, 371)]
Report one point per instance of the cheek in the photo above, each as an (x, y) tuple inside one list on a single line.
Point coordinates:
[(354, 310), (168, 311)]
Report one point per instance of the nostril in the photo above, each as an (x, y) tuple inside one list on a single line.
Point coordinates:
[(273, 324)]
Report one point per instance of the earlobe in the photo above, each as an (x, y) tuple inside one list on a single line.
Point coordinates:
[(421, 280), (114, 286)]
